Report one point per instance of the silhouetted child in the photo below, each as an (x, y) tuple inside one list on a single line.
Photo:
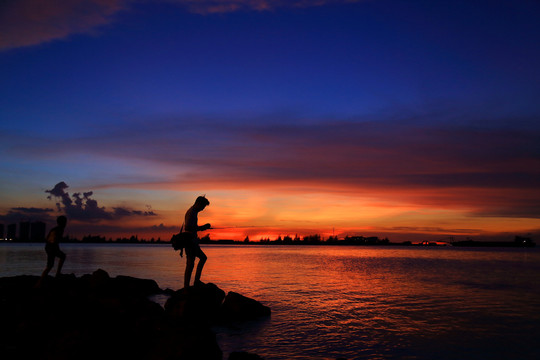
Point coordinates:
[(193, 249), (52, 248)]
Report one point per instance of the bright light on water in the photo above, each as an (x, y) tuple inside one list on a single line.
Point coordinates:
[(352, 302)]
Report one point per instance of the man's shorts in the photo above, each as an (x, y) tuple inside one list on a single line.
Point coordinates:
[(193, 249), (53, 251)]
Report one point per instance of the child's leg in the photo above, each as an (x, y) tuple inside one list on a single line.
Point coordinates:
[(62, 258)]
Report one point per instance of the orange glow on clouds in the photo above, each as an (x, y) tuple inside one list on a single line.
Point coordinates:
[(236, 214)]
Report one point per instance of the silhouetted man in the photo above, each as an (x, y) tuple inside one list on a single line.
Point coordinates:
[(52, 247), (193, 249)]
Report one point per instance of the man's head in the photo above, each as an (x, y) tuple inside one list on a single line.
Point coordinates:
[(201, 202), (61, 221)]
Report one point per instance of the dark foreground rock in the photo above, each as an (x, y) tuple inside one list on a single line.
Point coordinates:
[(196, 304), (99, 317), (208, 304), (239, 307), (241, 355)]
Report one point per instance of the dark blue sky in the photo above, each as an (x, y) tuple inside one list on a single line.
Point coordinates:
[(132, 93), (335, 60)]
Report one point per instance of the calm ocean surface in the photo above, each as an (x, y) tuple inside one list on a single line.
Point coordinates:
[(353, 302)]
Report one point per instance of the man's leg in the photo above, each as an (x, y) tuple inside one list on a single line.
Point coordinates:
[(190, 263), (200, 265)]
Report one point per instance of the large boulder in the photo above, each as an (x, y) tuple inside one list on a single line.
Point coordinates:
[(94, 317), (15, 284), (135, 286), (99, 317), (243, 355), (100, 281), (191, 341), (240, 307), (196, 303)]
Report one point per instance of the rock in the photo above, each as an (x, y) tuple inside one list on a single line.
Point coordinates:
[(98, 280), (96, 316), (122, 285), (169, 291), (135, 286), (17, 283), (242, 355), (239, 307), (100, 276), (200, 303), (189, 342)]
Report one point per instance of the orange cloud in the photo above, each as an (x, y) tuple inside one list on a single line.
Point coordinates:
[(367, 178), (482, 171)]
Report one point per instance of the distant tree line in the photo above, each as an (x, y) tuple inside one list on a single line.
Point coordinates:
[(313, 239), (317, 239), (96, 239)]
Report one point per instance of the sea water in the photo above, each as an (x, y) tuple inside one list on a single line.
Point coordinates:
[(340, 301)]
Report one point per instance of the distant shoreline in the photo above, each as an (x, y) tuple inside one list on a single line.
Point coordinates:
[(519, 242)]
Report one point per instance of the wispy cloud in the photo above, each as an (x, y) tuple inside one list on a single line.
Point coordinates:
[(18, 214), (487, 169), (33, 22), (223, 6)]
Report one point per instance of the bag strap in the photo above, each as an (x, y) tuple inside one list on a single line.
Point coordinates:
[(182, 228)]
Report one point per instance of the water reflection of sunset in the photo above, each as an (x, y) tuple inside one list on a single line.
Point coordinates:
[(330, 301)]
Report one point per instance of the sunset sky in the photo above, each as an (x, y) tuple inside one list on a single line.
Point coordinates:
[(401, 119)]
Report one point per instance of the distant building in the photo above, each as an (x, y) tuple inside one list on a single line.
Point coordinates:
[(11, 232), (24, 231), (37, 231)]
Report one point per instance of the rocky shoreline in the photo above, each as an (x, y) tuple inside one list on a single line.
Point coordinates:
[(96, 316)]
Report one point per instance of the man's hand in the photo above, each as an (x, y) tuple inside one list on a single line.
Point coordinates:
[(207, 226)]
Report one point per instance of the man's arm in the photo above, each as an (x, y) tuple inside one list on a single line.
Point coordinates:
[(204, 227)]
